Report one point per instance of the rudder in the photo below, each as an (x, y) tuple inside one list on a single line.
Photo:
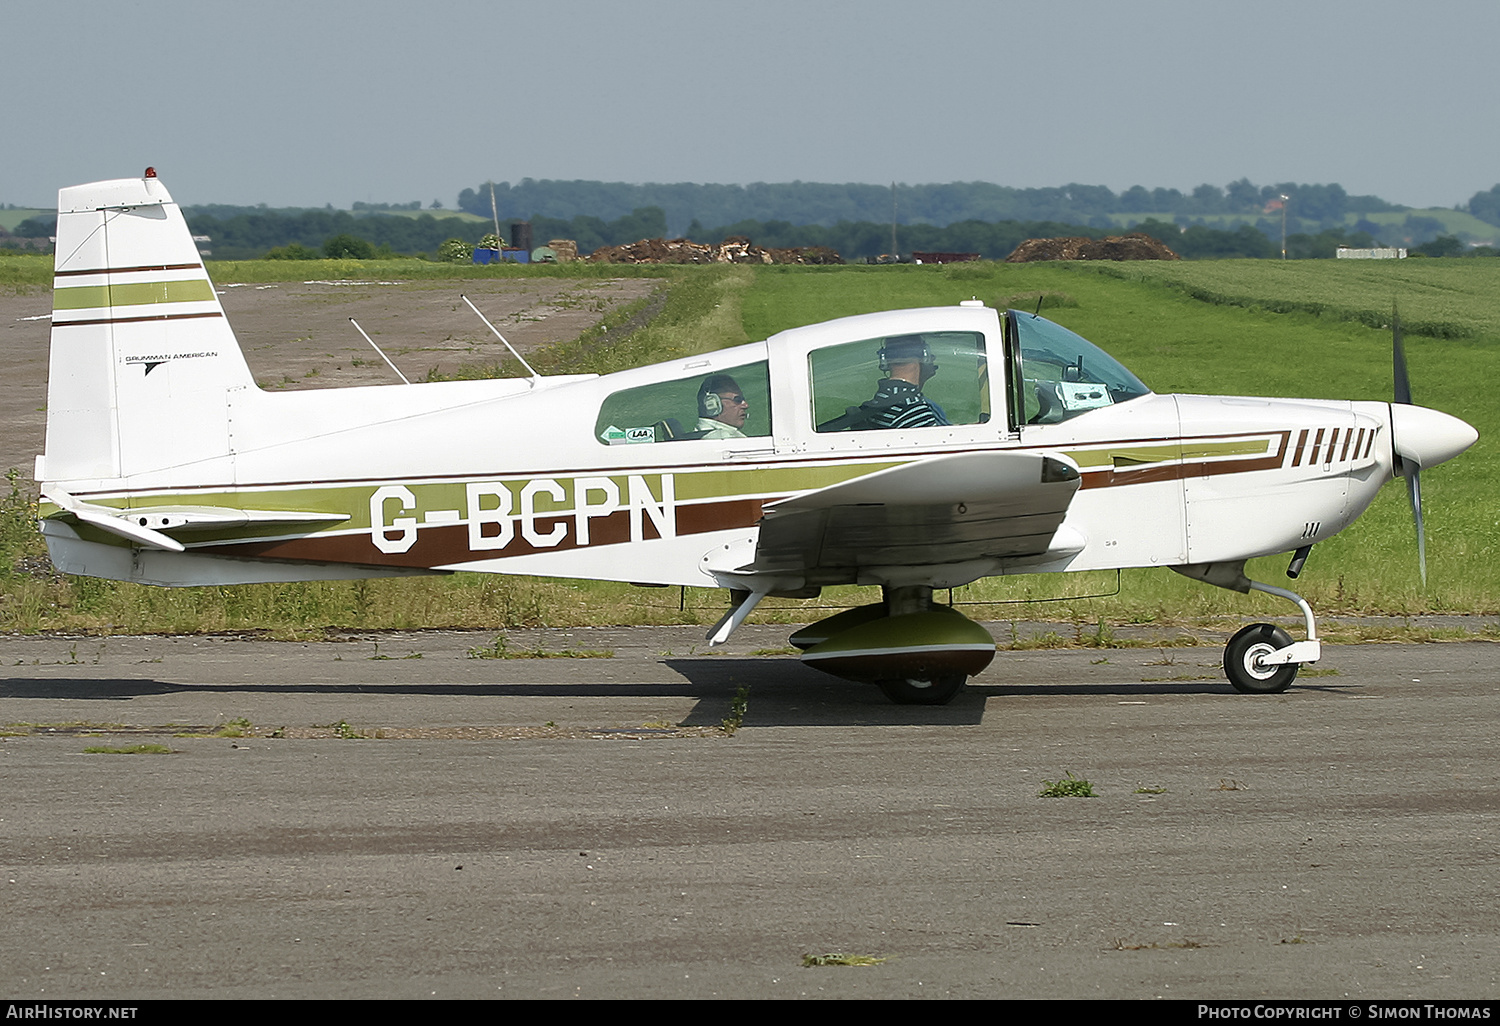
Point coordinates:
[(142, 359)]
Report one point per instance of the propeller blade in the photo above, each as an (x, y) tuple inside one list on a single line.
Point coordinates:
[(1414, 493), (1398, 359), (1409, 468)]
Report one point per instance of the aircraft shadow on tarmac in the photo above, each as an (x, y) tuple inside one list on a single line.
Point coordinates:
[(780, 692)]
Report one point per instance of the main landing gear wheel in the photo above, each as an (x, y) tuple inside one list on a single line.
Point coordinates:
[(931, 691), (1243, 660)]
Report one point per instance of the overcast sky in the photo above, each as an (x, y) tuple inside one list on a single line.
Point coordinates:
[(331, 101)]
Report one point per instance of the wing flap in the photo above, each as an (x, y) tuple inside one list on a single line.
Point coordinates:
[(943, 510)]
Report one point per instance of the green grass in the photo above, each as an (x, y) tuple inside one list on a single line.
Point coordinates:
[(25, 272), (1454, 222), (9, 219), (1301, 328)]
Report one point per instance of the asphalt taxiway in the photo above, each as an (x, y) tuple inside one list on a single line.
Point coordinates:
[(432, 824)]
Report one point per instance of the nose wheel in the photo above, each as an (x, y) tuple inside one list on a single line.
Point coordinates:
[(1246, 655), (1261, 659)]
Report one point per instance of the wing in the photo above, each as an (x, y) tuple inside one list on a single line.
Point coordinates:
[(967, 508)]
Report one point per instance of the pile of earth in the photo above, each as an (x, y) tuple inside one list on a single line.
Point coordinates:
[(734, 250), (1135, 246)]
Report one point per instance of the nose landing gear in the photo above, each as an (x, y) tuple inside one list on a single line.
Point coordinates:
[(1261, 659)]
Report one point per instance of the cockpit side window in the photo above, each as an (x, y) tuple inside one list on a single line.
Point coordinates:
[(1057, 375), (712, 406), (929, 379)]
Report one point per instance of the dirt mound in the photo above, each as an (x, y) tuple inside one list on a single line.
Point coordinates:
[(805, 255), (734, 250), (1135, 246)]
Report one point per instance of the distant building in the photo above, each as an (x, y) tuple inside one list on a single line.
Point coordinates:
[(1379, 253)]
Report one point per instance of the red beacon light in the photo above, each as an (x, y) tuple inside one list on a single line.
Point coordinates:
[(150, 172)]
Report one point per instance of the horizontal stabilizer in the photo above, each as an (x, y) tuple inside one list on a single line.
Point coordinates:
[(206, 518), (146, 526), (107, 519)]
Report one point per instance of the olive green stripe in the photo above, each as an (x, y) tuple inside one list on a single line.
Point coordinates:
[(354, 500), (1144, 454), (88, 297), (714, 484)]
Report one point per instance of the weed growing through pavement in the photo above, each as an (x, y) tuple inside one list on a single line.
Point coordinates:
[(500, 649), (737, 708), (1068, 787), (839, 958)]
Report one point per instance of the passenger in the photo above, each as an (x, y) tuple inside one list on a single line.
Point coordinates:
[(722, 408), (898, 401)]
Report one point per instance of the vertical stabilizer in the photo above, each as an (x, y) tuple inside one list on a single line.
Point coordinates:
[(143, 361)]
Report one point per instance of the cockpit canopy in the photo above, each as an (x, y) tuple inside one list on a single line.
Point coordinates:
[(961, 370)]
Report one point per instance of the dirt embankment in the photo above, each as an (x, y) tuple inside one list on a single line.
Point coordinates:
[(734, 250), (1135, 246)]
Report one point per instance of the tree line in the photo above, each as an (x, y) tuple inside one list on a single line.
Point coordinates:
[(927, 218), (814, 203)]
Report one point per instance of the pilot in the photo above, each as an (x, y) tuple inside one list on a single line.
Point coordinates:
[(722, 408), (898, 402)]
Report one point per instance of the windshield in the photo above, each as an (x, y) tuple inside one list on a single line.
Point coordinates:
[(1060, 375)]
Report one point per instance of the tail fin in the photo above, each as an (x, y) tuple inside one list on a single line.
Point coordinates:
[(143, 361)]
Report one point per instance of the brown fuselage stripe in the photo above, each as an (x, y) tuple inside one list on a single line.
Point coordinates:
[(129, 270), (135, 320), (1301, 444), (1111, 477)]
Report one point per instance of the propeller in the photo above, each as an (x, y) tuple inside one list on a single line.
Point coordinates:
[(1420, 437), (1408, 469)]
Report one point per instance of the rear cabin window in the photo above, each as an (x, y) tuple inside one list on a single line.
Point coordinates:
[(930, 379), (711, 406)]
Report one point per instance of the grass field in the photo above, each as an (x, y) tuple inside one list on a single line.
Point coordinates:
[(12, 217), (1304, 328), (1454, 222)]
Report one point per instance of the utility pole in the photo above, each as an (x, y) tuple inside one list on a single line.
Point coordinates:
[(894, 251), (1284, 200), (495, 213)]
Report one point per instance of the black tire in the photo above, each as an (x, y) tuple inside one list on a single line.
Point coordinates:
[(1242, 660), (935, 691)]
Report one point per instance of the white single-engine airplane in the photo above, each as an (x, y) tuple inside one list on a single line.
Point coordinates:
[(829, 454)]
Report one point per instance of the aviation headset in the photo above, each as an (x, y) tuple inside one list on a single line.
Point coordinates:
[(906, 349), (710, 402)]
